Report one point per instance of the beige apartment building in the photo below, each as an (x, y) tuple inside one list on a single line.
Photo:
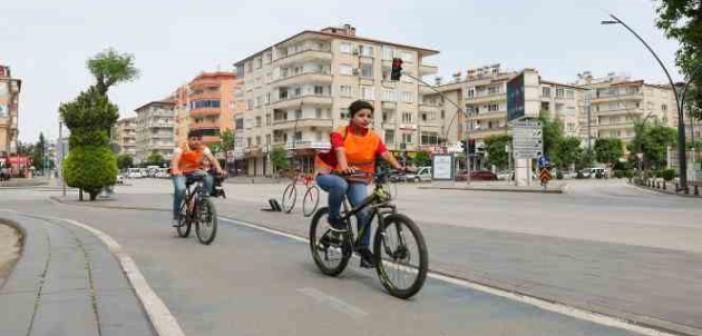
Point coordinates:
[(124, 134), (482, 94), (181, 114), (154, 130), (616, 102), (9, 111), (298, 90)]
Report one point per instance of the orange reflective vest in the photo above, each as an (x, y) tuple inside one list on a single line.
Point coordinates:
[(360, 153)]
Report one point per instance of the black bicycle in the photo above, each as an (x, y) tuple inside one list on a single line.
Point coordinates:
[(399, 250), (198, 209)]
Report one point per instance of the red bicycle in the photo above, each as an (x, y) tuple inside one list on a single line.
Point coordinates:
[(310, 201)]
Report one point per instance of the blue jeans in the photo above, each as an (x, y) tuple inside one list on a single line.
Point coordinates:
[(179, 192), (356, 192)]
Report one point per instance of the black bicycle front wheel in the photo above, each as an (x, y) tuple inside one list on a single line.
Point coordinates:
[(289, 198), (206, 221), (331, 250), (401, 256), (310, 201)]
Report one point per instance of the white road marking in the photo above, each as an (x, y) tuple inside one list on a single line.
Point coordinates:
[(558, 308), (334, 302)]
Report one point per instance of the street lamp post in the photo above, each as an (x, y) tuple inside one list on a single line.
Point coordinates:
[(682, 158)]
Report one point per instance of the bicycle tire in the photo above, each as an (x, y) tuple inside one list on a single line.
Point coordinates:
[(311, 201), (320, 217), (289, 198), (381, 235), (210, 215), (185, 224)]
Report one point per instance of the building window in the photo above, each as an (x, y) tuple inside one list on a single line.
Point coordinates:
[(546, 92), (664, 108), (268, 139), (298, 135), (367, 70), (248, 142), (206, 103), (560, 93), (346, 48), (318, 113), (298, 114), (367, 93), (268, 119), (570, 94), (346, 91), (407, 117), (407, 97), (367, 51), (344, 113), (250, 104), (443, 114), (389, 95), (430, 138), (407, 138), (346, 69), (387, 53), (471, 92), (318, 136), (318, 90), (493, 108), (259, 63), (239, 124), (390, 137), (493, 90), (258, 121)]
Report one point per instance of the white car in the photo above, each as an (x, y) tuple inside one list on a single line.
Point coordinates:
[(120, 179), (133, 173)]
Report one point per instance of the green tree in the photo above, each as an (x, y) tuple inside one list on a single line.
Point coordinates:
[(495, 147), (155, 159), (90, 168), (586, 160), (279, 159), (125, 161), (682, 20), (552, 134), (39, 153), (609, 151), (228, 140), (422, 159), (110, 68), (652, 141), (568, 152)]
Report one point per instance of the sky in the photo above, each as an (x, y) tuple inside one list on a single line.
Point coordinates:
[(46, 43)]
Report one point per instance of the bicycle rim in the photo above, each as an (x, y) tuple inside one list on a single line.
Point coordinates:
[(402, 255), (289, 198), (206, 229), (185, 224), (330, 250), (310, 201)]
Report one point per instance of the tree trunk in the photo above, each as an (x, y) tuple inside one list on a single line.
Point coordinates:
[(94, 194), (80, 195)]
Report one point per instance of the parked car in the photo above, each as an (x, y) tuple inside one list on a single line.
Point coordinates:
[(120, 179), (477, 175), (133, 173), (162, 173), (424, 174), (506, 175), (593, 172)]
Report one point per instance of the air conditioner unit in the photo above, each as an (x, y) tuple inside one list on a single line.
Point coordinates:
[(356, 72)]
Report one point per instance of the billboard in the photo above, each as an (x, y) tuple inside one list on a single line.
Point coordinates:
[(515, 98)]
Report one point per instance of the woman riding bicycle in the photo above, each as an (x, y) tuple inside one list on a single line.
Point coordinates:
[(187, 161), (348, 168)]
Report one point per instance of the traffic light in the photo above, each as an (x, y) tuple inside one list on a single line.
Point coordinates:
[(396, 71), (471, 146)]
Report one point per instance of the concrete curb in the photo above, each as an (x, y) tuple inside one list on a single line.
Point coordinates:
[(513, 190), (663, 192), (23, 236)]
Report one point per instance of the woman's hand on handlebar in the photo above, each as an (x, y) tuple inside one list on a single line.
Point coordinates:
[(348, 170)]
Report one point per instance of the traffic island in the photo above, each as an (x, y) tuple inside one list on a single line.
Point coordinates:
[(552, 188)]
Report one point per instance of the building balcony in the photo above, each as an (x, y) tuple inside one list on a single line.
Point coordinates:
[(205, 111), (429, 108), (304, 78), (484, 133), (494, 97), (209, 139), (304, 56), (160, 125), (426, 69), (296, 102), (205, 124), (302, 123), (389, 105), (307, 144), (425, 90), (611, 98), (619, 111), (161, 136), (212, 95), (494, 115)]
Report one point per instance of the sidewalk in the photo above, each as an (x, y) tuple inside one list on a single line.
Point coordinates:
[(67, 283), (10, 246), (554, 187), (25, 183), (651, 286)]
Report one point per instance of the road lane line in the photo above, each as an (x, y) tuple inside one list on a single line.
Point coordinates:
[(334, 302), (558, 308)]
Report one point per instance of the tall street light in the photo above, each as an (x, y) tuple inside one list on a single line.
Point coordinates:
[(682, 158)]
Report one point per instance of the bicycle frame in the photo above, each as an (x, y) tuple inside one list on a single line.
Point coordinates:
[(378, 207)]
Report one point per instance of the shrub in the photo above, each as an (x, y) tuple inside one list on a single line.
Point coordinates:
[(90, 168)]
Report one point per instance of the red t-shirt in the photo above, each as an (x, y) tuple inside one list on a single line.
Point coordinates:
[(337, 141)]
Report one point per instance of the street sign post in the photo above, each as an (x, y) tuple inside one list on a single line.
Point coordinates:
[(443, 167), (527, 139)]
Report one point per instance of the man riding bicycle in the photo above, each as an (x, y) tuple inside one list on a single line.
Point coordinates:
[(353, 153), (187, 163)]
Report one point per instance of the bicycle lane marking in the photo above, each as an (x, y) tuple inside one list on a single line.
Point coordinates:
[(558, 308)]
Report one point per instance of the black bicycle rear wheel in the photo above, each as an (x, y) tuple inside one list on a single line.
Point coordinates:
[(401, 256), (206, 221), (289, 198), (184, 223), (331, 250)]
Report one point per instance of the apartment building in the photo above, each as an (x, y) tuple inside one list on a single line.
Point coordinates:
[(211, 104), (124, 134), (9, 111), (154, 130), (298, 90), (617, 101)]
